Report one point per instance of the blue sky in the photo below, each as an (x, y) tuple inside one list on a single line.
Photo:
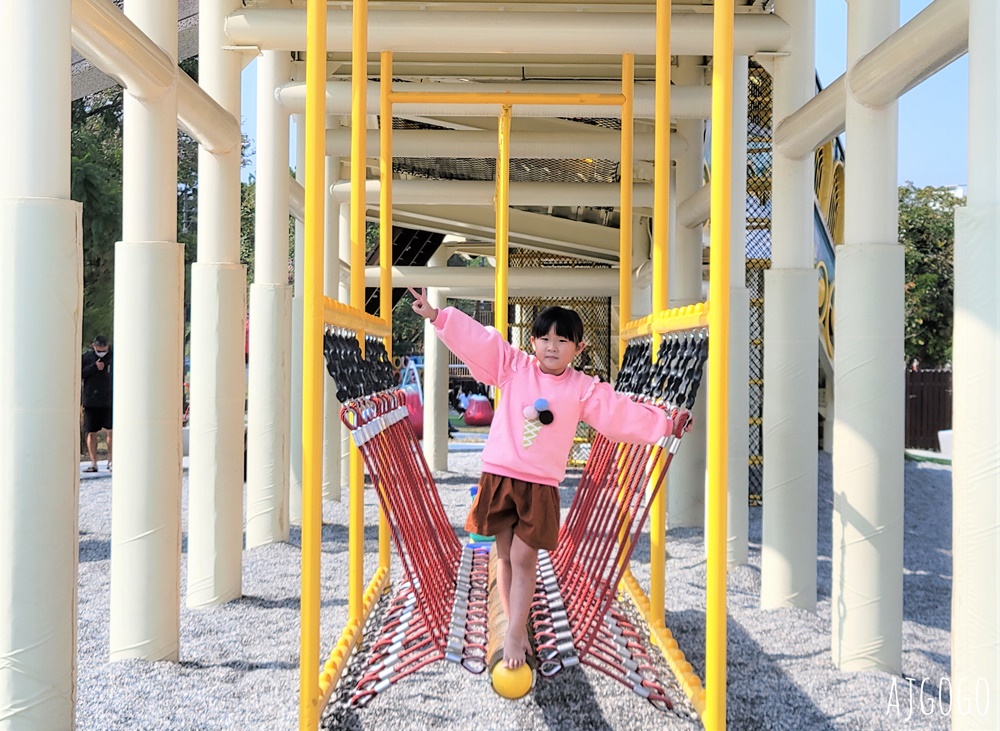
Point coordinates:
[(933, 118)]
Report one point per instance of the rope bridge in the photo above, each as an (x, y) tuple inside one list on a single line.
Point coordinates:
[(442, 608)]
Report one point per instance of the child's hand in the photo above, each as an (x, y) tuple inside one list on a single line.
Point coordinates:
[(682, 422), (421, 306)]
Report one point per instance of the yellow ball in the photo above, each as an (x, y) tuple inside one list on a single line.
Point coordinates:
[(511, 684)]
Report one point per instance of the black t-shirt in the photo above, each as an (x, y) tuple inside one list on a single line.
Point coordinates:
[(97, 383)]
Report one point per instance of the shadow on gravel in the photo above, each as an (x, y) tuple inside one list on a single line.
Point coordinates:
[(334, 537), (95, 550), (453, 480), (759, 694), (927, 546), (927, 541), (259, 602), (567, 702), (240, 665)]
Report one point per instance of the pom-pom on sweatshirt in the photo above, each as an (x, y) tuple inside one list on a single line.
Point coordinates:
[(520, 444)]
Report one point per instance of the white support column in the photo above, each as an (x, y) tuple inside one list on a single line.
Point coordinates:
[(867, 587), (40, 307), (295, 428), (788, 546), (975, 612), (642, 276), (332, 425), (268, 407), (739, 331), (642, 288), (436, 380), (218, 309), (344, 295), (686, 477), (149, 287)]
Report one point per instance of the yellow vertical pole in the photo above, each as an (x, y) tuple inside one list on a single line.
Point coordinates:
[(714, 717), (661, 244), (625, 202), (312, 354), (385, 243), (625, 228), (502, 222), (359, 98)]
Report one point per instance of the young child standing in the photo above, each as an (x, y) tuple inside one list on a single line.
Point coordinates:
[(542, 400)]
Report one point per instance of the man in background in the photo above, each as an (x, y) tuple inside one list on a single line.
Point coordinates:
[(97, 396)]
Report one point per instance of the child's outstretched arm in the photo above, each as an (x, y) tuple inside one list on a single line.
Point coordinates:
[(620, 418), (490, 358)]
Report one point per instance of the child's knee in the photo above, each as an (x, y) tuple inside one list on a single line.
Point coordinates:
[(523, 555)]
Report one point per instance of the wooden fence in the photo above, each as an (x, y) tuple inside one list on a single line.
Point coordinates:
[(928, 407)]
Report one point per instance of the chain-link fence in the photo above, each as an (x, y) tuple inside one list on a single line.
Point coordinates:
[(758, 258)]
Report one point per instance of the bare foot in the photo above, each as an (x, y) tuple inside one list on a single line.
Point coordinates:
[(515, 648)]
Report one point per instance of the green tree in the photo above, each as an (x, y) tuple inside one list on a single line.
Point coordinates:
[(408, 326), (927, 232), (96, 182), (248, 197)]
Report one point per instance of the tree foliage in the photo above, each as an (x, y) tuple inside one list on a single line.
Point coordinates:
[(927, 232), (408, 326), (248, 198), (96, 182)]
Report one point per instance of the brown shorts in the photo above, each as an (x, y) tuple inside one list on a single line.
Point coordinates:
[(532, 510)]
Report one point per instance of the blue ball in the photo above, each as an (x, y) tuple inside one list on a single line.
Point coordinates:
[(541, 404)]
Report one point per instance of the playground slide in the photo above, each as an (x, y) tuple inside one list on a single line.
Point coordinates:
[(826, 265)]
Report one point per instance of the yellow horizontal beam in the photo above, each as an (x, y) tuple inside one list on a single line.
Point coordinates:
[(637, 328), (337, 314), (341, 653), (505, 98), (690, 317)]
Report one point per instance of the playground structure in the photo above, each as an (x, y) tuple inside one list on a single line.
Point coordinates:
[(575, 617), (40, 243)]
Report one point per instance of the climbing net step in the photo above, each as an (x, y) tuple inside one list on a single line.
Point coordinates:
[(446, 605)]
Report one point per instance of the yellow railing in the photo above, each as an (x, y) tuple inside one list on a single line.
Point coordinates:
[(337, 314), (714, 716), (312, 372), (689, 317)]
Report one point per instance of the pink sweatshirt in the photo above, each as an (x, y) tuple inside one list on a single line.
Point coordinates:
[(525, 448)]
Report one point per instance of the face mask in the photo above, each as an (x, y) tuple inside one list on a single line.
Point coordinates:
[(101, 353)]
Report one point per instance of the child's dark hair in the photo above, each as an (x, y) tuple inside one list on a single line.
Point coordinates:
[(568, 324)]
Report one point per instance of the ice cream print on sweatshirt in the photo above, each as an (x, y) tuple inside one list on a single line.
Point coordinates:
[(536, 415)]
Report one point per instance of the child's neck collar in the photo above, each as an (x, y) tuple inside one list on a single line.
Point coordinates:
[(561, 373)]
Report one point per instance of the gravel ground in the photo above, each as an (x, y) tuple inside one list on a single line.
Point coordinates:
[(239, 667)]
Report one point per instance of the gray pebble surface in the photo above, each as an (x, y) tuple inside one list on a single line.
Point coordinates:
[(239, 661)]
